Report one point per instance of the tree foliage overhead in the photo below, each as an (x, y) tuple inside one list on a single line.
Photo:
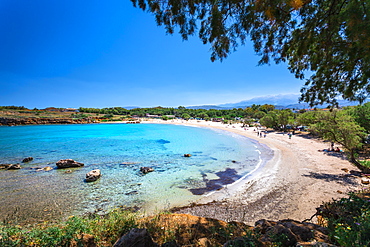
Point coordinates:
[(327, 41)]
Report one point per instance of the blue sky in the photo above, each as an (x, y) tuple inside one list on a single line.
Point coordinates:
[(74, 53)]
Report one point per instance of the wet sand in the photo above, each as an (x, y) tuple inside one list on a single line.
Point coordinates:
[(297, 180)]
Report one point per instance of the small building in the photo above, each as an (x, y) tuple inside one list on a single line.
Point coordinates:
[(217, 119), (152, 116)]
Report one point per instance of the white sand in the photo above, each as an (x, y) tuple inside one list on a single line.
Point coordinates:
[(291, 185)]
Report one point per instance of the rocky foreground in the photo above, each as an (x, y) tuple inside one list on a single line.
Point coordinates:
[(187, 230)]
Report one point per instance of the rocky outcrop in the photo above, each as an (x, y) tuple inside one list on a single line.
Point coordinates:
[(146, 170), (68, 163), (28, 159), (34, 120), (93, 175)]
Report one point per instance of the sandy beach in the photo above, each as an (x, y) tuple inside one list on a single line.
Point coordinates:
[(297, 180)]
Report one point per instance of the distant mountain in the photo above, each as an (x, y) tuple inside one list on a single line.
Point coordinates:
[(208, 107), (131, 107), (276, 100), (280, 101)]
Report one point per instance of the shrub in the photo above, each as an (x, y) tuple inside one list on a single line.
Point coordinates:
[(106, 229), (349, 219)]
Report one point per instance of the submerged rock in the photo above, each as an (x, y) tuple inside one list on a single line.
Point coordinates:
[(28, 159), (46, 169), (134, 192), (146, 170), (68, 163), (93, 175)]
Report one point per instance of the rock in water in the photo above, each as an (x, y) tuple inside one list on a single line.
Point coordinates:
[(4, 166), (46, 169), (28, 159), (93, 175), (67, 163), (146, 170), (13, 166)]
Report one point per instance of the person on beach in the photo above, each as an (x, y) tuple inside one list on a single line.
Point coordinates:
[(290, 135)]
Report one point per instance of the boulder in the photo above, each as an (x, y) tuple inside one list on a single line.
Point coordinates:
[(68, 163), (136, 237), (365, 180), (28, 159), (13, 167), (146, 170), (290, 232), (187, 155), (93, 175)]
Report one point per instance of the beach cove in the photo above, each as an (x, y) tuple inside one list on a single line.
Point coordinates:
[(119, 150), (291, 185)]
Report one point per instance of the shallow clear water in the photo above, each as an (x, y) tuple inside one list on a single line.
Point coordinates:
[(118, 150)]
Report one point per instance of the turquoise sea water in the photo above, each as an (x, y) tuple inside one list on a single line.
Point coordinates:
[(118, 150)]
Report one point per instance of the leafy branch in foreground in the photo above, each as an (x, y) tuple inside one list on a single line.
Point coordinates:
[(327, 40)]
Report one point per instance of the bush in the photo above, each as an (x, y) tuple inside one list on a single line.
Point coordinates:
[(106, 229), (365, 163), (349, 219)]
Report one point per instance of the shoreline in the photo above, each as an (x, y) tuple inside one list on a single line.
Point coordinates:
[(292, 184)]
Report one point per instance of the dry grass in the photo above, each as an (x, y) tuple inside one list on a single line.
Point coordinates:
[(190, 230)]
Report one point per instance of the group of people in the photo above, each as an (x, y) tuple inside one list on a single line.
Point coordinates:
[(261, 134), (332, 149)]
